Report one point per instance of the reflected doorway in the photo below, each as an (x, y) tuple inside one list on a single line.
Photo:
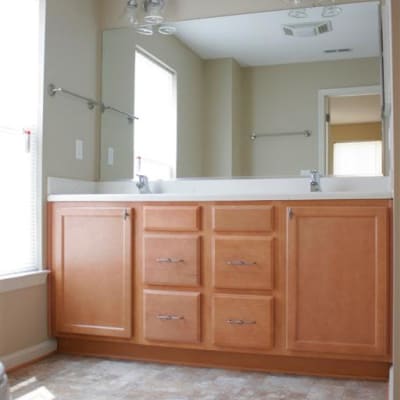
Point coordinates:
[(353, 132)]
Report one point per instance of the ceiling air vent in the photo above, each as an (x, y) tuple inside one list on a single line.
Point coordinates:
[(308, 29), (334, 51)]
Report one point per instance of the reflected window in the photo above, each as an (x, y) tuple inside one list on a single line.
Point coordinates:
[(357, 158), (155, 138), (354, 132)]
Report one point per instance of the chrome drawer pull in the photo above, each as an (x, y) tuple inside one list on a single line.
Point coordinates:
[(240, 322), (170, 260), (240, 263), (170, 317)]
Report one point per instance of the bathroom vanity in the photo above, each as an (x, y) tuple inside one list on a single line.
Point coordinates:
[(283, 284)]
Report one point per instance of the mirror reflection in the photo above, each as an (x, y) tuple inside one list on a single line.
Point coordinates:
[(265, 94)]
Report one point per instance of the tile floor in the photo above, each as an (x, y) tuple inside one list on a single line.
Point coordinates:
[(78, 378)]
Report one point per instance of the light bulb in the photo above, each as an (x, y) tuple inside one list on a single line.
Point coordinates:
[(131, 12), (298, 13), (167, 29), (146, 30), (331, 11), (154, 11)]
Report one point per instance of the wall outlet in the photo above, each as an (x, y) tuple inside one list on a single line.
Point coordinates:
[(79, 149), (110, 156)]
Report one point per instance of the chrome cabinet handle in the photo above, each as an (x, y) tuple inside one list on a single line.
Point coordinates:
[(170, 260), (168, 317), (240, 322), (241, 263)]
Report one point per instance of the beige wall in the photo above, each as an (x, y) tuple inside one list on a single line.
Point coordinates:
[(118, 91), (72, 55), (223, 118), (284, 98), (23, 319), (218, 117), (237, 120)]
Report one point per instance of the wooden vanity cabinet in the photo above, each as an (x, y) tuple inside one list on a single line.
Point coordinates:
[(286, 286), (338, 279), (91, 263)]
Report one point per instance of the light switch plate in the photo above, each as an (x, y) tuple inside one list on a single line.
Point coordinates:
[(110, 156), (79, 149)]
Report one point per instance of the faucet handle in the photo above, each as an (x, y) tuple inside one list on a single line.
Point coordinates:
[(315, 176), (143, 184)]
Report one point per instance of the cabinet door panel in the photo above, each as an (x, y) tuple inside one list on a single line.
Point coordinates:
[(172, 260), (243, 218), (171, 218), (172, 316), (338, 272), (92, 266), (243, 321), (243, 263)]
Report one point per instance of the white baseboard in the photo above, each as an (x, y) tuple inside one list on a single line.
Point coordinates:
[(390, 386), (29, 354)]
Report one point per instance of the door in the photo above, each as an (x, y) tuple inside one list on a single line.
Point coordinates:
[(92, 267), (338, 274)]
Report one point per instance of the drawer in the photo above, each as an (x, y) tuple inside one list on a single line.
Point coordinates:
[(171, 218), (243, 263), (243, 321), (243, 218), (172, 260), (172, 316)]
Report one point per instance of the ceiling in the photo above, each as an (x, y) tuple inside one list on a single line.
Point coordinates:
[(257, 39), (355, 109)]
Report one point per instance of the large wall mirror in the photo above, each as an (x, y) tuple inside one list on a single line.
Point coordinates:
[(263, 94)]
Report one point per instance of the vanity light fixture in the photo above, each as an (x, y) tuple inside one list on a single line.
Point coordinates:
[(297, 11), (330, 10), (147, 17)]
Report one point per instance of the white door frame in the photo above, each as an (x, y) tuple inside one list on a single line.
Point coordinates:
[(322, 94)]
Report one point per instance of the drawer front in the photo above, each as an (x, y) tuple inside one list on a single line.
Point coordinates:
[(243, 218), (172, 260), (243, 263), (171, 316), (243, 321), (171, 218)]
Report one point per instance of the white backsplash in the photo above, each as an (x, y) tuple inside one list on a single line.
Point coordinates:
[(213, 189)]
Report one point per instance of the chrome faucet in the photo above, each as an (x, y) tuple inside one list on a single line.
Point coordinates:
[(143, 184), (315, 183)]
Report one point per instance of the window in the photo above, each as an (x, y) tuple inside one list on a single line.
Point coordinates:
[(155, 137), (19, 105), (357, 158)]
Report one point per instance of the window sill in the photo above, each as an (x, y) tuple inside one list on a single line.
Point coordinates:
[(11, 283)]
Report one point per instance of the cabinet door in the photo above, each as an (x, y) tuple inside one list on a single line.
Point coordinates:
[(338, 271), (92, 271)]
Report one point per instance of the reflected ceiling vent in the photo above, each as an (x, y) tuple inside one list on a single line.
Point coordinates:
[(334, 51), (308, 29)]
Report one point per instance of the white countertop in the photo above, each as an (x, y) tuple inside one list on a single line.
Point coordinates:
[(64, 190)]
